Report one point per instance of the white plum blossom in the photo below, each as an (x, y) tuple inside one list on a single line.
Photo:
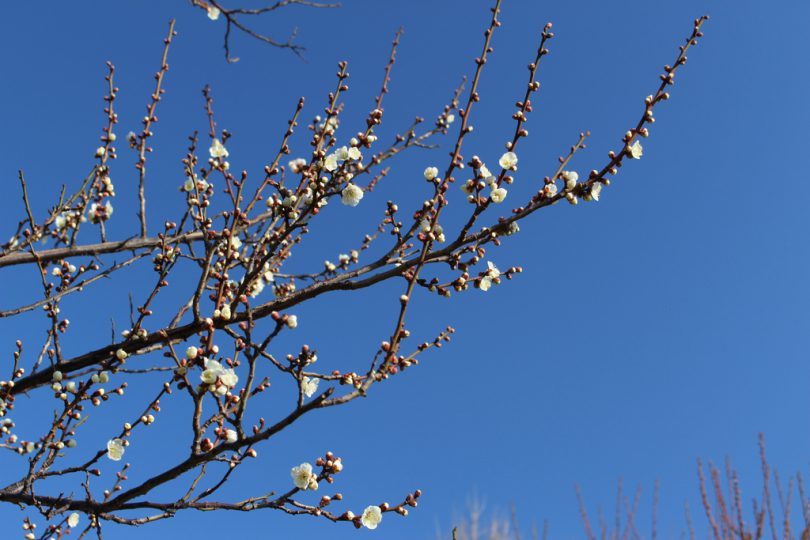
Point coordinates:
[(508, 161), (100, 151), (596, 189), (354, 153), (372, 516), (431, 173), (492, 274), (309, 386), (218, 150), (451, 118), (231, 435), (330, 163), (215, 371), (297, 165), (115, 449), (213, 13), (351, 195), (191, 352), (635, 151), (302, 475), (99, 213), (73, 519), (570, 178), (550, 190), (292, 321), (498, 195), (485, 171)]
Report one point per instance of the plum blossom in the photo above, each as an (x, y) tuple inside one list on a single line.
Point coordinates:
[(351, 195), (115, 449), (492, 274), (297, 165), (217, 149), (372, 516), (292, 321), (508, 161), (215, 371), (635, 151), (431, 173), (213, 13), (231, 435), (498, 195), (309, 386), (99, 213), (302, 476), (330, 163), (550, 190), (73, 519), (596, 189), (570, 178)]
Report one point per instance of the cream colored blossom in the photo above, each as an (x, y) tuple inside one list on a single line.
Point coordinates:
[(218, 150), (73, 519), (213, 13), (309, 386), (372, 516), (498, 195), (570, 178), (635, 151), (431, 173), (508, 161), (351, 195), (301, 475), (115, 449)]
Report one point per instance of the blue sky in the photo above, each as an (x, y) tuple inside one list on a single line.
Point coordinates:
[(667, 322)]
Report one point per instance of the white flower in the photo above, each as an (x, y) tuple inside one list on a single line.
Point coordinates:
[(351, 195), (230, 435), (214, 370), (330, 163), (217, 149), (188, 185), (297, 165), (372, 516), (498, 195), (354, 153), (292, 321), (100, 213), (191, 353), (431, 173), (485, 283), (256, 288), (596, 189), (636, 150), (235, 243), (550, 190), (570, 178), (493, 271), (100, 151), (73, 519), (508, 161), (121, 354), (451, 118), (342, 153), (301, 475), (309, 386), (485, 172), (115, 449), (213, 13)]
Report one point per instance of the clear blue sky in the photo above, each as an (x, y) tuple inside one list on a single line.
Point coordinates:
[(667, 322)]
